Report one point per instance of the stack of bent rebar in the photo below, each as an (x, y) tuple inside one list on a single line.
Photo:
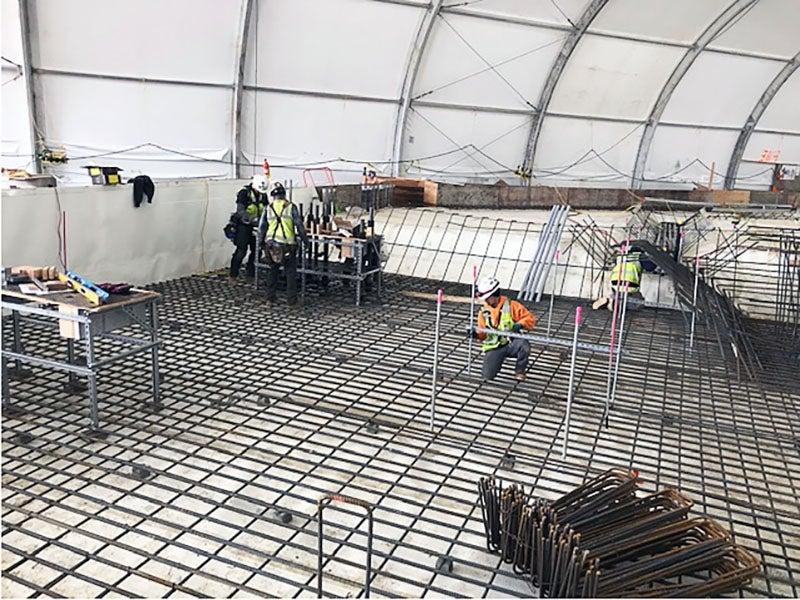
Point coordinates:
[(601, 540)]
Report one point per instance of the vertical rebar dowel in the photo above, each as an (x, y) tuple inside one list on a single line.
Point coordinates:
[(319, 551), (571, 389), (369, 554), (552, 293), (619, 343), (439, 298), (471, 317), (614, 313), (694, 299)]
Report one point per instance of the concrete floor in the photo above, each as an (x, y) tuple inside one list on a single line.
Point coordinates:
[(268, 409)]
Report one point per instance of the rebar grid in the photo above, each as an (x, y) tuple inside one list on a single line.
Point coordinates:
[(273, 408)]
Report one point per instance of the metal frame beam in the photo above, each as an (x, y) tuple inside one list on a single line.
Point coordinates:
[(755, 115), (35, 120), (586, 18), (409, 79), (238, 85), (717, 26), (603, 34), (320, 94), (132, 78)]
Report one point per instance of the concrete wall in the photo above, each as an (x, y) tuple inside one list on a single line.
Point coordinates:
[(443, 245)]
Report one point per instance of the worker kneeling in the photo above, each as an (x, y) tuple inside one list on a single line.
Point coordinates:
[(503, 314)]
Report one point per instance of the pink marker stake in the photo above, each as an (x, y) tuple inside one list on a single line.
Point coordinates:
[(439, 300), (552, 293), (694, 299), (471, 317), (571, 392)]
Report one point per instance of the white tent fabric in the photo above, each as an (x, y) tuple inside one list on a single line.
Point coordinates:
[(587, 92)]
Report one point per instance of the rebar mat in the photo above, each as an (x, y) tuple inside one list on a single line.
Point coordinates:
[(265, 410)]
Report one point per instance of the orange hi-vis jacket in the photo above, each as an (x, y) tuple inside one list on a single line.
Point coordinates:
[(519, 314)]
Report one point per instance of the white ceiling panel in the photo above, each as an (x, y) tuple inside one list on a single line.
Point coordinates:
[(787, 145), (720, 90), (612, 77), (679, 149), (754, 175), (12, 35), (295, 129), (508, 65), (190, 40), (673, 20), (16, 146), (565, 145), (500, 137), (344, 46), (116, 114), (533, 10), (769, 27), (784, 111)]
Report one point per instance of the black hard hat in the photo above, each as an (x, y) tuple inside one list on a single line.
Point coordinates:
[(278, 191)]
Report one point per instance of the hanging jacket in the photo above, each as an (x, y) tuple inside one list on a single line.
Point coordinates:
[(249, 205), (142, 186), (502, 317)]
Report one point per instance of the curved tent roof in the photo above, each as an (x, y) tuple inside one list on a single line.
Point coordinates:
[(598, 92)]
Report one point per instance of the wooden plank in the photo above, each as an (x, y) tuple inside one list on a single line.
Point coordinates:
[(73, 300)]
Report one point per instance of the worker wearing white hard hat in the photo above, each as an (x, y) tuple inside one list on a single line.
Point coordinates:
[(503, 314), (250, 203)]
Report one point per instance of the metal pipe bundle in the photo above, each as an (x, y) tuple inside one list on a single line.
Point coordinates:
[(533, 284), (601, 540)]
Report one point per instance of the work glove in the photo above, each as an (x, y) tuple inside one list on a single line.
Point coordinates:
[(516, 328), (474, 333)]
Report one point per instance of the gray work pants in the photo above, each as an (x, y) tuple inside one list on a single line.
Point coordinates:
[(493, 359)]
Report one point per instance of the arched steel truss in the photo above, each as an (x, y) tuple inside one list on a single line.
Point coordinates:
[(417, 54), (755, 116)]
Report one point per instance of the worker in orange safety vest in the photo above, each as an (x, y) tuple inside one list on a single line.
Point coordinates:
[(503, 314)]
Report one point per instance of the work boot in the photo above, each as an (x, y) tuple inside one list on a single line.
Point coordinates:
[(599, 303), (521, 376)]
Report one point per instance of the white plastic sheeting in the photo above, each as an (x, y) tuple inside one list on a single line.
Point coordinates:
[(328, 78), (108, 239)]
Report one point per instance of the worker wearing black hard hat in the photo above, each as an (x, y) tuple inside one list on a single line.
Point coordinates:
[(280, 227), (250, 203)]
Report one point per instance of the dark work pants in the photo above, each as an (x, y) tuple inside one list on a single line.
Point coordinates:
[(493, 359), (290, 270), (244, 240)]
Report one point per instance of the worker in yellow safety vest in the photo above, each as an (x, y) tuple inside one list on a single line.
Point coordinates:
[(280, 228), (250, 203), (626, 276), (503, 314)]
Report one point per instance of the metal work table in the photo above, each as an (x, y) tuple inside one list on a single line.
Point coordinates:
[(365, 262), (78, 320)]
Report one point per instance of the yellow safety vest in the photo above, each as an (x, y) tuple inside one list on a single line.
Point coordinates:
[(632, 273), (492, 341), (255, 208), (280, 224)]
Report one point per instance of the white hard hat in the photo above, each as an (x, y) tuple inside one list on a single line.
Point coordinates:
[(488, 286), (260, 183)]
